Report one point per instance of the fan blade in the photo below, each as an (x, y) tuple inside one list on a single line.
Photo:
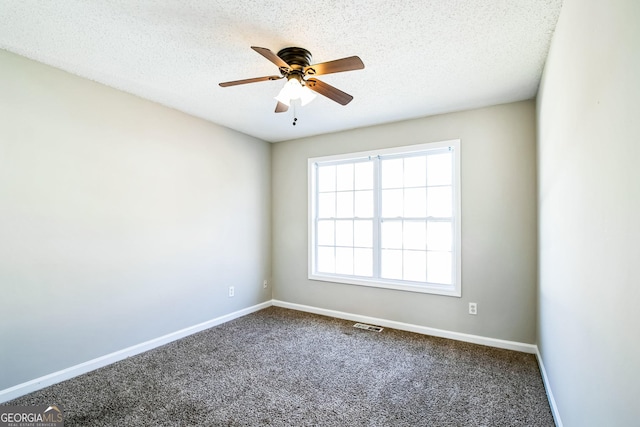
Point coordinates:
[(271, 57), (245, 81), (329, 91), (281, 108), (337, 66)]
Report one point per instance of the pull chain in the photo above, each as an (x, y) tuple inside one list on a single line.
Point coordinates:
[(295, 119)]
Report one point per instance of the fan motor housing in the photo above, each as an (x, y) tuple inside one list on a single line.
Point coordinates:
[(297, 57)]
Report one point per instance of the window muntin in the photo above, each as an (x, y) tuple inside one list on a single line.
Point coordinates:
[(389, 218)]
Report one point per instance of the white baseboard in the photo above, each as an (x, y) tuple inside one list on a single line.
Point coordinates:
[(547, 387), (82, 368), (458, 336), (73, 371)]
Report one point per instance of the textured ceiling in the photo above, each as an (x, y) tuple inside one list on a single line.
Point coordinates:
[(421, 57)]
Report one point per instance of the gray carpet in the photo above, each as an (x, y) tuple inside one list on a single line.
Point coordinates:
[(281, 367)]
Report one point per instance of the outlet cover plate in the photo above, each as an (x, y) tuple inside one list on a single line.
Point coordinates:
[(473, 308)]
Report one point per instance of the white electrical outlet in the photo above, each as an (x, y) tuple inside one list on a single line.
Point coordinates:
[(232, 291), (265, 284), (473, 308)]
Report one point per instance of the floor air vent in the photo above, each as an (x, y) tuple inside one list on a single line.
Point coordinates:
[(368, 327)]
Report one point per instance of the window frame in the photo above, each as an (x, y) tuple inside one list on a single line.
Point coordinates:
[(454, 289)]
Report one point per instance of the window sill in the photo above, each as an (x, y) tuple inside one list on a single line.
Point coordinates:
[(429, 288)]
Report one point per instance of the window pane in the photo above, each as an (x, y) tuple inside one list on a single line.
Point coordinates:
[(327, 205), (344, 177), (415, 202), (344, 261), (439, 267), (364, 204), (344, 233), (439, 236), (439, 202), (391, 171), (344, 208), (326, 178), (391, 234), (391, 264), (415, 171), (415, 265), (326, 260), (414, 235), (326, 236), (363, 262), (439, 169), (391, 203), (363, 234), (364, 176)]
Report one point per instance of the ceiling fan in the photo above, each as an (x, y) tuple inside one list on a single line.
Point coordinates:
[(294, 64)]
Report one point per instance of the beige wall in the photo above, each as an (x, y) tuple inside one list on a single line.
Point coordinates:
[(589, 210), (120, 220), (498, 224)]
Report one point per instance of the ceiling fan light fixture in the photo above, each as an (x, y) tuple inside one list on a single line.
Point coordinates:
[(293, 89)]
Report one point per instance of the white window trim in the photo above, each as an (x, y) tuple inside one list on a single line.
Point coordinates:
[(455, 289)]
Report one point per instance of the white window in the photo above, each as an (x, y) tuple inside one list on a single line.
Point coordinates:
[(387, 218)]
